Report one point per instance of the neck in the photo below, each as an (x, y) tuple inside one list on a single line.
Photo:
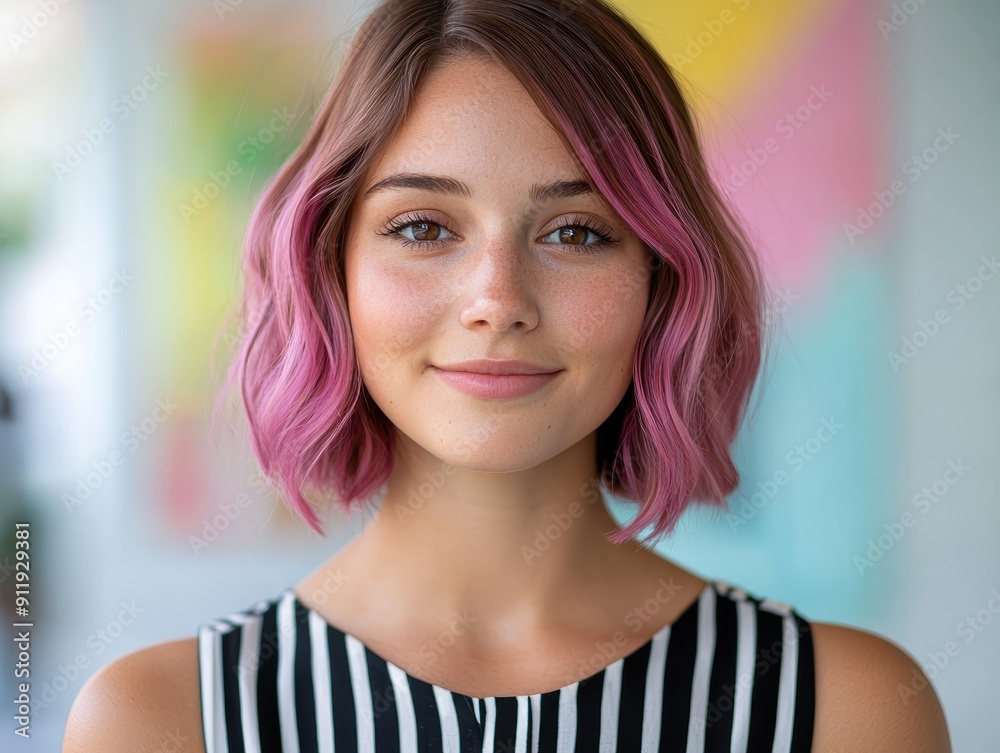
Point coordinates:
[(519, 546)]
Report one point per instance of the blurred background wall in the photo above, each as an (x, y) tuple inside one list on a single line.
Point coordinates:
[(857, 140)]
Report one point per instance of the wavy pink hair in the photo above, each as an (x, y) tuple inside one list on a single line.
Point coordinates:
[(619, 110)]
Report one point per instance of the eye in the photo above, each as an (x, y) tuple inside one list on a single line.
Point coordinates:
[(427, 233), (575, 234)]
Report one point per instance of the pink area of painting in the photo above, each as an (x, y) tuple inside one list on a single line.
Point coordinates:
[(184, 485), (808, 150)]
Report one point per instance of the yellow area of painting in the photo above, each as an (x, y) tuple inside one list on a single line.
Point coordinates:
[(723, 46)]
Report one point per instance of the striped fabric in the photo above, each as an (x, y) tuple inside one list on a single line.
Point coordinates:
[(733, 673)]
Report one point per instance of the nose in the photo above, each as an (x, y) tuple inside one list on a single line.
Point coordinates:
[(499, 289)]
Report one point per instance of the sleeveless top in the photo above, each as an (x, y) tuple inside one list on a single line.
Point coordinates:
[(732, 673)]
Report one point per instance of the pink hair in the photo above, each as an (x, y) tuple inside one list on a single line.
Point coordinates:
[(620, 112)]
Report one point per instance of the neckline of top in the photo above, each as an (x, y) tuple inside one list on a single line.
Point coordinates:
[(709, 585)]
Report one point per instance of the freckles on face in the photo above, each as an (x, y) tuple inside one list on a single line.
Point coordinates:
[(600, 323), (595, 313), (407, 316), (394, 311), (487, 272)]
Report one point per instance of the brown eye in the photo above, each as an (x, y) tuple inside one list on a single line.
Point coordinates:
[(414, 231), (574, 235), (421, 232)]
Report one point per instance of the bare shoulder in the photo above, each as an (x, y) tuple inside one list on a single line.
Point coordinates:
[(148, 700), (872, 696)]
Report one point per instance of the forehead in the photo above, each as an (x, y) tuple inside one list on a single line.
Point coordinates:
[(473, 119)]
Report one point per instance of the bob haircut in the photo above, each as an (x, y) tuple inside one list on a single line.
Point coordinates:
[(619, 111)]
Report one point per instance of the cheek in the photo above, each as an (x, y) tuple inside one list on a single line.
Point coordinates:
[(603, 319), (392, 315)]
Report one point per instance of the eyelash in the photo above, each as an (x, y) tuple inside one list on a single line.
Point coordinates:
[(606, 240)]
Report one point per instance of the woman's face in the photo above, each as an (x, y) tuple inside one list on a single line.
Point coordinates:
[(491, 260)]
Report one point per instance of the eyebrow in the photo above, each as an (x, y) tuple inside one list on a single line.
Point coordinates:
[(539, 193)]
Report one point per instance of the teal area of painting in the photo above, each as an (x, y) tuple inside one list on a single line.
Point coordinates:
[(797, 541)]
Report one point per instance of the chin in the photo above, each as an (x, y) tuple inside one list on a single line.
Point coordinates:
[(511, 452)]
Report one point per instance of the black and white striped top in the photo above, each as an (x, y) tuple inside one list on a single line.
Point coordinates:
[(732, 673)]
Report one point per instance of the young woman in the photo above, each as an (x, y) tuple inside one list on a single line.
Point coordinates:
[(494, 282)]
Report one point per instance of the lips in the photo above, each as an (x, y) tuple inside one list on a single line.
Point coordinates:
[(495, 386), (498, 367)]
